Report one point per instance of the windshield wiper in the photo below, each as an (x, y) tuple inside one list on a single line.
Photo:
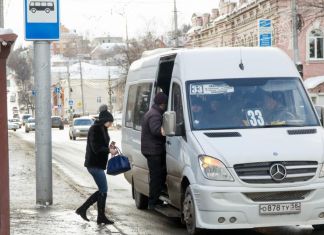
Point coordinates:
[(282, 125)]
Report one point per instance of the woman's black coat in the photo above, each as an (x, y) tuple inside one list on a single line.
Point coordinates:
[(97, 146)]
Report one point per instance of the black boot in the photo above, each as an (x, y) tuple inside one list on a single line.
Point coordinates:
[(82, 210), (102, 219)]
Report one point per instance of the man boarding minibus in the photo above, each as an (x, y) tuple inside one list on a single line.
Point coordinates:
[(252, 158)]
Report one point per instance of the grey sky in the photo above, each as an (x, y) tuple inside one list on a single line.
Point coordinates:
[(102, 17)]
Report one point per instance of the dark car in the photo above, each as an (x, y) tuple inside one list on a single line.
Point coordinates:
[(57, 122)]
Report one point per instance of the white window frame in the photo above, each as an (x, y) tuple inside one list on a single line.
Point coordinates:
[(315, 38)]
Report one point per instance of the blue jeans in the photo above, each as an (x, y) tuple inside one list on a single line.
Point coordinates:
[(99, 177)]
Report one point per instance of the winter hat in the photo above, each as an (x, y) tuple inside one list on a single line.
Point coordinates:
[(104, 115), (160, 98)]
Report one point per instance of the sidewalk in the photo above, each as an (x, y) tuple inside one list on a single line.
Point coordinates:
[(28, 218)]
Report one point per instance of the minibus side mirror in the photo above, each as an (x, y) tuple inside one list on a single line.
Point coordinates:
[(170, 126), (320, 113), (169, 123)]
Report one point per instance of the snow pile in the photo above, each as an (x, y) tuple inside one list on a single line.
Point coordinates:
[(313, 82), (5, 31)]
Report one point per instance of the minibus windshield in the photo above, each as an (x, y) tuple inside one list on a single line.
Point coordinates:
[(249, 103)]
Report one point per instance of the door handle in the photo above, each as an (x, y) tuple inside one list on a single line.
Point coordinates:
[(168, 142)]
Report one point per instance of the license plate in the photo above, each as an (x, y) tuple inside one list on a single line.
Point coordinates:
[(280, 208)]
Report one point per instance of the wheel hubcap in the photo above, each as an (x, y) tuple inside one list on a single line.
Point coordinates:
[(188, 210)]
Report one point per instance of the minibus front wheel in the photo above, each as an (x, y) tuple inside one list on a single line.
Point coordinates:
[(189, 213), (141, 201)]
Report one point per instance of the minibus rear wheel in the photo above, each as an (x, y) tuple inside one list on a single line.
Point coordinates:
[(141, 201), (189, 213)]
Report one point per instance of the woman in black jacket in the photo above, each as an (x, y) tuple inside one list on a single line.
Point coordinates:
[(96, 161)]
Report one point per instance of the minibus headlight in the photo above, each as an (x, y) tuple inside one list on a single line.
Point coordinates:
[(321, 174), (214, 169)]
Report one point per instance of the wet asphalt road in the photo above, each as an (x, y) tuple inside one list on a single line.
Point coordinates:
[(68, 157)]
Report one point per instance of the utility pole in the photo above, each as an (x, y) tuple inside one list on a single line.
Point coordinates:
[(69, 90), (176, 24), (127, 46), (294, 31), (109, 91), (82, 95), (68, 79), (1, 14)]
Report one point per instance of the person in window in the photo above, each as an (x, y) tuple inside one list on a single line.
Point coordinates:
[(217, 115), (96, 158), (197, 112), (274, 112), (153, 148)]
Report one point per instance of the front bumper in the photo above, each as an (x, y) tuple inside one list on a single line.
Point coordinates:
[(81, 134), (212, 203)]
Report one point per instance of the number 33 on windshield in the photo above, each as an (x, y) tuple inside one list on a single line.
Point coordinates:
[(255, 117)]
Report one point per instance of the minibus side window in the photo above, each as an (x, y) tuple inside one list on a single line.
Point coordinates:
[(143, 98), (129, 117)]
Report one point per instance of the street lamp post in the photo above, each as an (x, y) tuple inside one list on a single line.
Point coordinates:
[(176, 24), (82, 94), (294, 31), (123, 14)]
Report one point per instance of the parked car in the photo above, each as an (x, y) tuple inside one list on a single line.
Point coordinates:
[(13, 98), (117, 121), (24, 118), (17, 121), (16, 115), (12, 126), (80, 127), (30, 124), (57, 122)]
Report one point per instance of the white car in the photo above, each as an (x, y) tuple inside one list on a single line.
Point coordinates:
[(80, 127), (13, 126), (16, 120), (118, 120), (30, 125)]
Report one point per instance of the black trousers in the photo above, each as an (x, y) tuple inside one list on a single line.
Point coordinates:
[(157, 170)]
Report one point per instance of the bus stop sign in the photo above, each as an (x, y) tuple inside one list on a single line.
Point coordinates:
[(42, 20)]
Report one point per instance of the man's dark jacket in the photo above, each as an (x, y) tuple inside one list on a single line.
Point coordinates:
[(97, 146), (152, 141)]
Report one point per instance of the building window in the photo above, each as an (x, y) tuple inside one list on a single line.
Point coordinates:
[(316, 44)]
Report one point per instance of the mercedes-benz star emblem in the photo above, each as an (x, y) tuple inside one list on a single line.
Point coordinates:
[(278, 172)]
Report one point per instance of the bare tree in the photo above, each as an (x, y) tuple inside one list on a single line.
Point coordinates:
[(311, 9), (133, 51), (20, 62), (124, 56)]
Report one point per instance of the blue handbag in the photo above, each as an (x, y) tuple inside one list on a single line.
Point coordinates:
[(118, 164)]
